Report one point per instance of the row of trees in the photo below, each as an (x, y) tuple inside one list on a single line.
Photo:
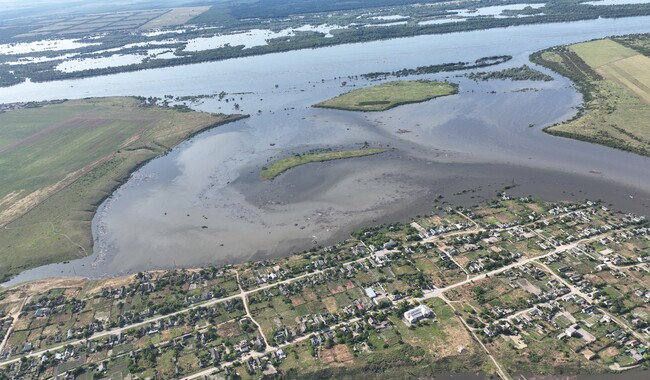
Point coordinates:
[(554, 11)]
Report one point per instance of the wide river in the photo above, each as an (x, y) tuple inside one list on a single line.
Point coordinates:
[(204, 202)]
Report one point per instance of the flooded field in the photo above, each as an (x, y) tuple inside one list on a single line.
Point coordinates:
[(204, 202)]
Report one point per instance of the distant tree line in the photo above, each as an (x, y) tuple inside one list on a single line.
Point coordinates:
[(553, 11)]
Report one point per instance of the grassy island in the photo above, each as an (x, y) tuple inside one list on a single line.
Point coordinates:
[(59, 160), (285, 164), (613, 78), (389, 95)]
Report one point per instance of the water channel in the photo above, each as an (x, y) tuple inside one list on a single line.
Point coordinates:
[(204, 203)]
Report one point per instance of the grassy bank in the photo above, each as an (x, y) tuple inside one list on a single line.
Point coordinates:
[(389, 95), (615, 85), (60, 161), (285, 164)]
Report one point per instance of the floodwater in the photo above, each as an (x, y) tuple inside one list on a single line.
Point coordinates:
[(616, 2), (44, 45), (252, 38), (204, 204), (496, 10)]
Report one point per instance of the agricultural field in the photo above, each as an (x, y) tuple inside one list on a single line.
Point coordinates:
[(106, 22), (175, 16), (618, 63), (59, 161), (389, 95), (615, 83)]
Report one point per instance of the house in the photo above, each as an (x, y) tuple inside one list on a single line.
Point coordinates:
[(27, 347), (370, 292), (390, 244), (418, 313)]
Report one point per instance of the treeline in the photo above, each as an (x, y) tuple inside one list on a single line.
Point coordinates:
[(8, 78), (524, 72), (602, 138), (569, 65), (554, 11), (638, 42), (432, 69), (284, 8)]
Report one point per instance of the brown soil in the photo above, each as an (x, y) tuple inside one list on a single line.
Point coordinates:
[(339, 354), (297, 301), (330, 304), (229, 329)]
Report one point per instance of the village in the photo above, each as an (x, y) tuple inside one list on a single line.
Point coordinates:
[(509, 286)]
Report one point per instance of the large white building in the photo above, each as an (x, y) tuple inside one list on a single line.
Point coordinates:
[(418, 313)]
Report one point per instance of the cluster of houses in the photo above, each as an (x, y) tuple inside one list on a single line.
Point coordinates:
[(262, 365), (547, 309), (323, 321), (488, 263), (439, 230), (266, 276), (353, 331), (45, 308)]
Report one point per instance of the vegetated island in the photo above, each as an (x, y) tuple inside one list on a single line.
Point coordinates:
[(60, 160), (439, 68), (612, 75), (520, 73), (389, 95), (281, 166)]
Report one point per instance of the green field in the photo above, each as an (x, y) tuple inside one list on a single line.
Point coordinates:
[(615, 84), (59, 161), (285, 164), (389, 95), (602, 52)]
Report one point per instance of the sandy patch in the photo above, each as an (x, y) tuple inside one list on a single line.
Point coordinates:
[(114, 283), (609, 352), (229, 329), (297, 301), (337, 354), (43, 286), (330, 304), (309, 295), (337, 289)]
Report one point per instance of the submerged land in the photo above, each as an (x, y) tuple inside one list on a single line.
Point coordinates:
[(61, 159), (505, 287), (389, 95), (509, 286), (140, 37)]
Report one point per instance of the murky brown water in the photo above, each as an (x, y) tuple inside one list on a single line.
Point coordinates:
[(204, 203)]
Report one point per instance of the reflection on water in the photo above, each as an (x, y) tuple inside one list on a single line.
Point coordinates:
[(252, 38), (44, 45), (203, 202)]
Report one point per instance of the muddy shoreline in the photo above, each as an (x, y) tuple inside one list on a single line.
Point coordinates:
[(203, 203)]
